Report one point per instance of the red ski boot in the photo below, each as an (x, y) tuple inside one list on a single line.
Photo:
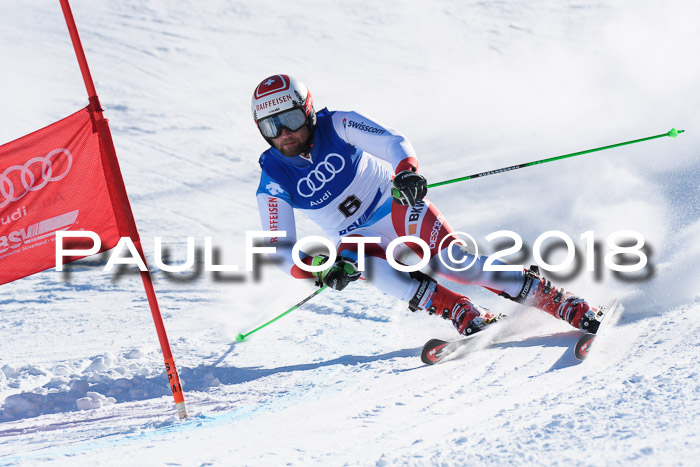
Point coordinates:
[(538, 292), (439, 300)]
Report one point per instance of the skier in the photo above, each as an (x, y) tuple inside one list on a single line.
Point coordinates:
[(326, 164)]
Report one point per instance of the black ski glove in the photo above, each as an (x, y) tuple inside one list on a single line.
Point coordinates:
[(337, 276), (409, 188)]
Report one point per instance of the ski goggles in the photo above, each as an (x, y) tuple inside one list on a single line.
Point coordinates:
[(293, 120)]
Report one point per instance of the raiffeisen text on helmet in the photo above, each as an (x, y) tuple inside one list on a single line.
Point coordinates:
[(273, 102)]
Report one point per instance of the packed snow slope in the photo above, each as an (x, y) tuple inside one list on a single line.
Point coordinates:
[(475, 86)]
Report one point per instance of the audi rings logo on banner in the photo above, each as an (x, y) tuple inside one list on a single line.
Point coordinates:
[(28, 178), (324, 172)]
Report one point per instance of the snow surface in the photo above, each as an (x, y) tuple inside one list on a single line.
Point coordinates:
[(475, 86)]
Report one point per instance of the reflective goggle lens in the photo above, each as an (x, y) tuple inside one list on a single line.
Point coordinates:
[(293, 120)]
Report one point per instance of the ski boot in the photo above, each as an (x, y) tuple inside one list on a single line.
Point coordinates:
[(538, 292), (439, 300)]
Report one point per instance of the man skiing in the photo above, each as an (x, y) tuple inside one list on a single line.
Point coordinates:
[(326, 164)]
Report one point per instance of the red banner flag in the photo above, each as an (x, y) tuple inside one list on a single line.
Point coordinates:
[(50, 180), (66, 177)]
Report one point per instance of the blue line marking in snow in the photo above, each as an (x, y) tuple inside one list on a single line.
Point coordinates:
[(115, 439)]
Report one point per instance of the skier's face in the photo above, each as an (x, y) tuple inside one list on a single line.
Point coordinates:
[(292, 143)]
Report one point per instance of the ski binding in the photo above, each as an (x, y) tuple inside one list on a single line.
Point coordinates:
[(607, 317)]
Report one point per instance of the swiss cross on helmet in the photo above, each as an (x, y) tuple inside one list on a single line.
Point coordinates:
[(281, 101)]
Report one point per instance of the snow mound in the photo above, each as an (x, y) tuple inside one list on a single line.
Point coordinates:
[(88, 384), (94, 400)]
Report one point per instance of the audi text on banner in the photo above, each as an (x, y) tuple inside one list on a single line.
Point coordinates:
[(51, 180)]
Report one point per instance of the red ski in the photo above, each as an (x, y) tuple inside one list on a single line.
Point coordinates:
[(436, 350)]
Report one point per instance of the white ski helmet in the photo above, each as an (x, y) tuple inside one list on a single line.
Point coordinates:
[(281, 101)]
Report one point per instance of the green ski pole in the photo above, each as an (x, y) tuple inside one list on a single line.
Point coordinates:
[(673, 133), (241, 337)]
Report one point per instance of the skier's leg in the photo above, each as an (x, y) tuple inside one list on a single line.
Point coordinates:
[(525, 287), (418, 289), (425, 221)]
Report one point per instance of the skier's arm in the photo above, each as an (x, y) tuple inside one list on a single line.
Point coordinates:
[(276, 214), (376, 139)]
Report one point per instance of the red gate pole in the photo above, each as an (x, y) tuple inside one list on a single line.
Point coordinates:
[(122, 208)]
